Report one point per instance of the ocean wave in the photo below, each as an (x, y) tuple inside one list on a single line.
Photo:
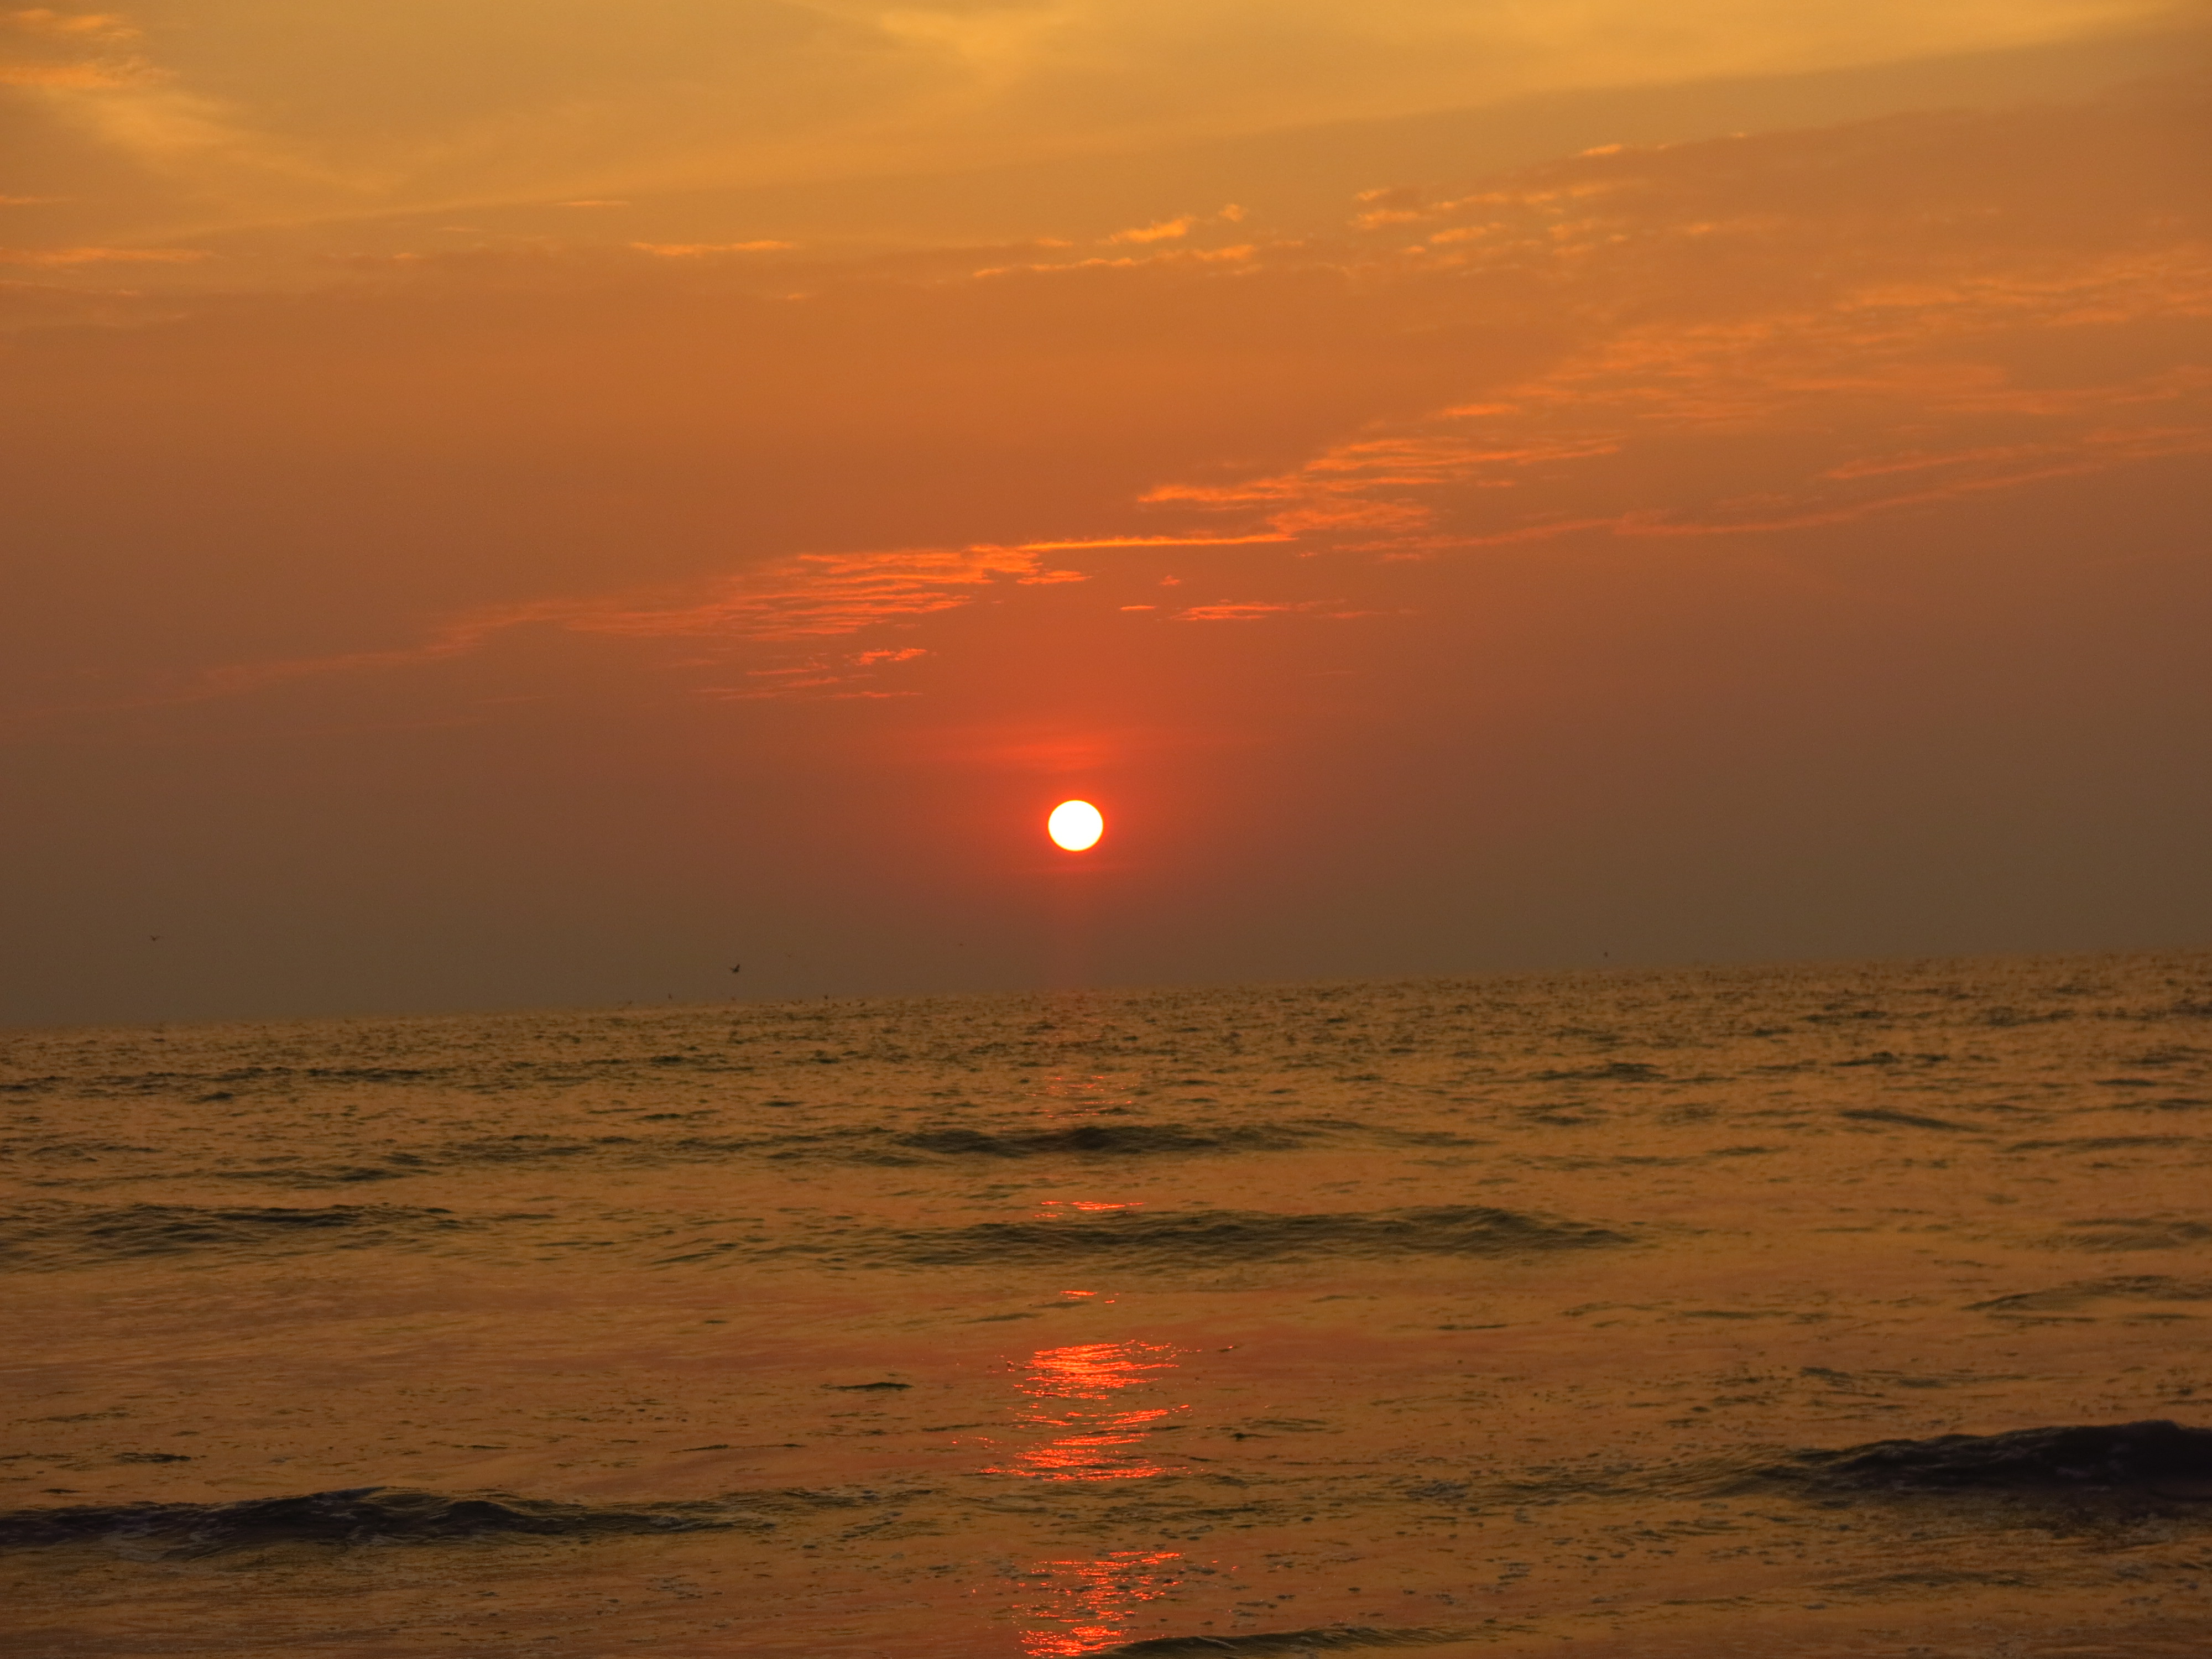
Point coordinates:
[(2156, 1459), (403, 1515), (1287, 1643), (2072, 1299), (1204, 1238), (1120, 1139), (2122, 1232), (873, 1145), (64, 1236), (1901, 1119), (360, 1515)]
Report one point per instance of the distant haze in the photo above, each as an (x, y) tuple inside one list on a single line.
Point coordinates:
[(512, 505)]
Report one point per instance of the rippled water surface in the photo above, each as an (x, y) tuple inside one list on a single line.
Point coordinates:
[(1829, 1310)]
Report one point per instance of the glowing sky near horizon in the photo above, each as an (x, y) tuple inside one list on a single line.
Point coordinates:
[(510, 503)]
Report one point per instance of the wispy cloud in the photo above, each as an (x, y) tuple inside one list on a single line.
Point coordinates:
[(58, 41), (1799, 365), (1239, 254), (811, 597), (845, 677), (1885, 395), (1084, 543), (819, 594), (72, 77), (1265, 609), (1163, 230), (694, 250), (68, 25), (102, 256)]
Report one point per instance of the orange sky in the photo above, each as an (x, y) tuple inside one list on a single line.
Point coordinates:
[(513, 504)]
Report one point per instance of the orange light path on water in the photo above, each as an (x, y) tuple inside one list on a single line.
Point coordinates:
[(1093, 1602), (1079, 1392)]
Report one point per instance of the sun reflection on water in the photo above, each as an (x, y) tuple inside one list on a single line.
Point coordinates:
[(1081, 1393), (1093, 1090), (1089, 1605)]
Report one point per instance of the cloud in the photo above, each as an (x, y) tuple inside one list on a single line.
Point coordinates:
[(412, 104), (1174, 229), (839, 678), (71, 77), (1960, 308), (56, 38), (102, 256), (1264, 610), (1876, 345), (813, 596), (1097, 541), (819, 594), (1163, 230), (696, 250), (455, 639), (68, 25), (1167, 259), (1805, 421)]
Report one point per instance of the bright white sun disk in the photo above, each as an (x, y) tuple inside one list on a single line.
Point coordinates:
[(1075, 825)]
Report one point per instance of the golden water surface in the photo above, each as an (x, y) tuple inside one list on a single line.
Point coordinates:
[(1502, 1315)]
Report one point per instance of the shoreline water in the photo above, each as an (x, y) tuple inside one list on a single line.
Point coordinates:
[(1046, 1325)]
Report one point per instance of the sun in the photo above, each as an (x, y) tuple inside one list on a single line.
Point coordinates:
[(1075, 825)]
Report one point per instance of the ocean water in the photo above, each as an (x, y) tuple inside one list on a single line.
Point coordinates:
[(1807, 1310)]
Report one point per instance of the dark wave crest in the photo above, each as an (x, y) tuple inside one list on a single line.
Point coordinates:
[(361, 1514), (1123, 1139), (871, 1145), (64, 1236), (2072, 1299), (1287, 1643), (1204, 1238), (2133, 1233), (2157, 1459)]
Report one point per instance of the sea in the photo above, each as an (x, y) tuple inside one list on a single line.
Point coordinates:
[(1818, 1310)]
